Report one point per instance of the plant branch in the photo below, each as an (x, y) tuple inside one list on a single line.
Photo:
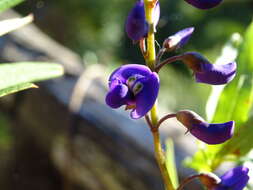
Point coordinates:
[(168, 116), (167, 61), (187, 180)]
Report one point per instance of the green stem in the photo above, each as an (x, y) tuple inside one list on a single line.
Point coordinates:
[(160, 157), (151, 55), (151, 61)]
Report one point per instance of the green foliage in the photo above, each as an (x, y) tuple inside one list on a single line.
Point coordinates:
[(19, 76), (235, 103), (9, 25), (6, 4)]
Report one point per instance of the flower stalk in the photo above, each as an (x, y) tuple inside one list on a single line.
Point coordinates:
[(151, 61)]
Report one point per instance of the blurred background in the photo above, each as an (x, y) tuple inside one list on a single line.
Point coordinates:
[(62, 136)]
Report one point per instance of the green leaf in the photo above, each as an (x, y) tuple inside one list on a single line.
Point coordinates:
[(235, 103), (6, 4), (19, 76), (237, 97), (16, 88), (13, 24), (229, 54), (170, 162)]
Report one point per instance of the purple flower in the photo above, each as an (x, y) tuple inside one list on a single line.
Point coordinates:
[(178, 40), (135, 86), (206, 132), (204, 4), (136, 24), (234, 179), (205, 72)]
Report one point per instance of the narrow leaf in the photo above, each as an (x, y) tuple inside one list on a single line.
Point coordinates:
[(16, 76), (16, 88), (13, 24)]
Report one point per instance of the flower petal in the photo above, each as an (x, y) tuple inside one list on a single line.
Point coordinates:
[(136, 25), (146, 98), (213, 133), (235, 177), (179, 39), (241, 184), (204, 4), (208, 73), (118, 95), (216, 74), (124, 72)]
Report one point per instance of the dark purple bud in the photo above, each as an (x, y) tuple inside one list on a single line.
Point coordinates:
[(178, 40), (204, 4), (234, 179), (136, 24), (208, 73), (135, 86), (208, 133)]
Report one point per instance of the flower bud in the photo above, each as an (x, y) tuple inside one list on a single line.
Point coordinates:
[(204, 4), (178, 40), (208, 133), (208, 73), (136, 24), (234, 179)]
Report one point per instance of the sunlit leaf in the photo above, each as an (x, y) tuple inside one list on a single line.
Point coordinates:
[(229, 54), (16, 88), (234, 103), (19, 76), (6, 4), (13, 24)]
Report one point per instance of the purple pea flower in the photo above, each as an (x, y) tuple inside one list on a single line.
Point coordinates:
[(234, 179), (135, 86), (204, 4), (206, 132), (205, 72), (136, 25), (178, 40)]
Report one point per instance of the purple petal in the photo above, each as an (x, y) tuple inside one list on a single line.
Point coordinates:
[(125, 71), (216, 74), (136, 25), (213, 133), (179, 39), (146, 98), (205, 72), (118, 95), (241, 184), (235, 176), (204, 4)]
